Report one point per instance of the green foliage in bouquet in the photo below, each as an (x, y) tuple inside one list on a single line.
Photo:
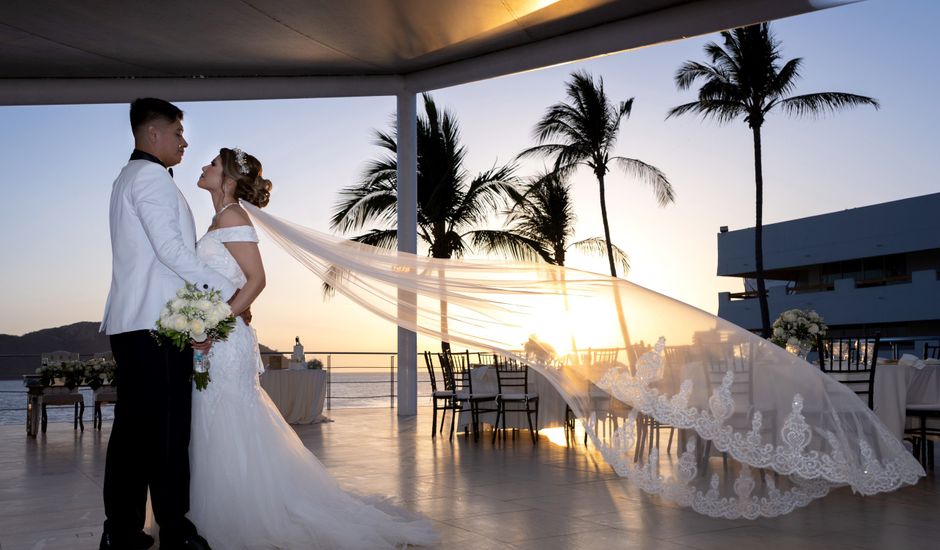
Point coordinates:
[(195, 315)]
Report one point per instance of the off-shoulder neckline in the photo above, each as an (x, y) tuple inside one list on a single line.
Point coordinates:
[(229, 227)]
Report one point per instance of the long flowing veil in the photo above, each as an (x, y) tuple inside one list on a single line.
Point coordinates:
[(760, 431)]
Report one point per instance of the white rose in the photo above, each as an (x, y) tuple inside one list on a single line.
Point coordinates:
[(203, 305), (222, 310), (198, 337), (197, 326), (814, 329), (212, 319), (179, 323), (178, 304), (789, 317), (778, 331)]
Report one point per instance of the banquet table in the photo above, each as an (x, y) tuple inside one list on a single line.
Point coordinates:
[(899, 385), (551, 405), (298, 394)]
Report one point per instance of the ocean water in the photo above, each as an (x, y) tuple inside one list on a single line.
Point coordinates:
[(347, 390)]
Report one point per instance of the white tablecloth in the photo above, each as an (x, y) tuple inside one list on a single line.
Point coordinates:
[(551, 405), (298, 394), (897, 386)]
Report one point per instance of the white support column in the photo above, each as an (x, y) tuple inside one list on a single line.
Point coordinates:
[(407, 242)]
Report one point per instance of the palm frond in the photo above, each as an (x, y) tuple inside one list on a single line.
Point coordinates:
[(819, 104), (380, 238), (785, 80), (721, 112), (508, 244), (597, 246), (652, 176), (386, 140), (690, 71), (361, 205), (334, 276), (488, 193)]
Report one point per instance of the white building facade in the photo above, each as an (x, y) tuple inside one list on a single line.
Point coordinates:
[(865, 270)]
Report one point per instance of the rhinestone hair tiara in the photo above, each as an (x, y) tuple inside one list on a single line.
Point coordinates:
[(241, 161)]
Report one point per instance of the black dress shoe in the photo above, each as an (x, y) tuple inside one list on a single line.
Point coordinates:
[(195, 542), (138, 541), (190, 542)]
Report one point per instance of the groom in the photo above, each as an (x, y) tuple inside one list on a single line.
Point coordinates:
[(153, 238)]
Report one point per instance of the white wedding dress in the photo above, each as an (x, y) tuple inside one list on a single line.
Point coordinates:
[(253, 483)]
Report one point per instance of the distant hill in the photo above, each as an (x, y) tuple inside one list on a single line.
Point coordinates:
[(82, 337)]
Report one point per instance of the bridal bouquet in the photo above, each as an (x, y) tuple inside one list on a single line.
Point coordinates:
[(196, 315), (797, 330)]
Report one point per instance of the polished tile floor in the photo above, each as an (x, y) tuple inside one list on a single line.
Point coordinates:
[(515, 495)]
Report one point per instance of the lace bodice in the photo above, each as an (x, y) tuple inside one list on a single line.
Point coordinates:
[(234, 362), (211, 249)]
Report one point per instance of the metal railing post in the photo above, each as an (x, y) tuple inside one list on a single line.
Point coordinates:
[(329, 382), (391, 381)]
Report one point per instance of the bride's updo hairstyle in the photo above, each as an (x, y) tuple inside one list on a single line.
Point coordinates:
[(245, 169)]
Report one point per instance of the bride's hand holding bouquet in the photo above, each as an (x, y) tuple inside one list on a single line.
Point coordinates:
[(199, 317)]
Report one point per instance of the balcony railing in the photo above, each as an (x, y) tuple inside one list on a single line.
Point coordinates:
[(895, 299), (826, 287), (342, 384)]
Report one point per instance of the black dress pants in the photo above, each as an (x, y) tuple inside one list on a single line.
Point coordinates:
[(149, 445)]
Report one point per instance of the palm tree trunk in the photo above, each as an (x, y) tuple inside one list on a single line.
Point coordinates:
[(560, 261), (621, 318), (610, 249), (437, 252), (759, 235), (445, 344)]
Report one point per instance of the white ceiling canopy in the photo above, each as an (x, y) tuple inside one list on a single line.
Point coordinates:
[(84, 51)]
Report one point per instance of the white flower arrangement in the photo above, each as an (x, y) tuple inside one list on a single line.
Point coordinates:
[(69, 373), (196, 315), (798, 329), (98, 372)]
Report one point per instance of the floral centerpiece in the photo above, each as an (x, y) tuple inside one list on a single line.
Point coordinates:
[(797, 330), (98, 372), (315, 364), (70, 373), (196, 315)]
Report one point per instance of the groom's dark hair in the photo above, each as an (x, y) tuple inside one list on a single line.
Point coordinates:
[(146, 109)]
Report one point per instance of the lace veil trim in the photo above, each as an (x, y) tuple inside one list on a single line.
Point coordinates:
[(761, 432)]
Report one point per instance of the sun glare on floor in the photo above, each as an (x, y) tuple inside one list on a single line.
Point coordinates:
[(555, 435)]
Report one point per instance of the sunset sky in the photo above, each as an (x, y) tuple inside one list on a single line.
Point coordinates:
[(59, 163)]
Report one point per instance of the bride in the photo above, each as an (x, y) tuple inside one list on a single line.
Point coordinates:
[(253, 483)]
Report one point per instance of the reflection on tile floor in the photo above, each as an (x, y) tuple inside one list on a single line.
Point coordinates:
[(513, 495)]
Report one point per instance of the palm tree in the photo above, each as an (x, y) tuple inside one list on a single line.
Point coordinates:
[(583, 132), (745, 80), (450, 203), (542, 224)]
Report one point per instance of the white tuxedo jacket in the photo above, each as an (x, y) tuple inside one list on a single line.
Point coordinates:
[(153, 249)]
